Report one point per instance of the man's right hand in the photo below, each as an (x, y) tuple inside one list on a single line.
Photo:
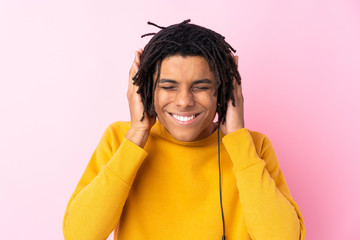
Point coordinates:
[(139, 130)]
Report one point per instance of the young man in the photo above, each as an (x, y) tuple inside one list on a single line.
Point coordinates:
[(159, 179)]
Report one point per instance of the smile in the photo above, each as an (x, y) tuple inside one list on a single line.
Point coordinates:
[(184, 120)]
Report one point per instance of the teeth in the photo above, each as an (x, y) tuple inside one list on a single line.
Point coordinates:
[(183, 118)]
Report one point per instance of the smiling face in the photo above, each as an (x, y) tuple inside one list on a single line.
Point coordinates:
[(184, 98)]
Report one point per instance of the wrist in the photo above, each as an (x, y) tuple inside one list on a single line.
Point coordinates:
[(137, 137)]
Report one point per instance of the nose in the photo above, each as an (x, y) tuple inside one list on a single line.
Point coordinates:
[(184, 98)]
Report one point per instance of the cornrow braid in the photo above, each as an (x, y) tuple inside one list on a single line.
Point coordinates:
[(187, 39)]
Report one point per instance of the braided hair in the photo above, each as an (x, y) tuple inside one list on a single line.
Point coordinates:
[(186, 39)]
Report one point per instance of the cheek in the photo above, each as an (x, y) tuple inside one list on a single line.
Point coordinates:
[(209, 101), (213, 105), (161, 99)]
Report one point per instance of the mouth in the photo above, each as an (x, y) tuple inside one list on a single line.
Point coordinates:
[(184, 119)]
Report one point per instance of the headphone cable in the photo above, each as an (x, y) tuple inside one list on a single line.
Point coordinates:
[(221, 205)]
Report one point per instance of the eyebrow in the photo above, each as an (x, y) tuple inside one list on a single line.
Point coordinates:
[(164, 80)]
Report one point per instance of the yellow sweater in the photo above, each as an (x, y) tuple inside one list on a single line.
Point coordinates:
[(170, 190)]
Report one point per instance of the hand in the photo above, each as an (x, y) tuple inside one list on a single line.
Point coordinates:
[(234, 115), (139, 130)]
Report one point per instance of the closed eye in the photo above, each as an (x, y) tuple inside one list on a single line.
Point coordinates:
[(168, 88), (200, 88)]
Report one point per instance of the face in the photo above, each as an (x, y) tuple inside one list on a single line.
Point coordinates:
[(184, 97)]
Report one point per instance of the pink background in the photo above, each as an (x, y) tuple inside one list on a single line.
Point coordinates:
[(64, 69)]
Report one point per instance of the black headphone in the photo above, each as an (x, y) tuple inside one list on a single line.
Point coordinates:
[(221, 205)]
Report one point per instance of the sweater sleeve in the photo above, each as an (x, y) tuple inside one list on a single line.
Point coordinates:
[(268, 208), (97, 202)]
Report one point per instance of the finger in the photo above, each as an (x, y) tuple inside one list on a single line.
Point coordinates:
[(239, 91), (137, 61), (236, 59), (237, 88), (133, 69), (135, 65)]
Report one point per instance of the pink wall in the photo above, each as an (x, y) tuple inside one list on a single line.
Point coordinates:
[(64, 68)]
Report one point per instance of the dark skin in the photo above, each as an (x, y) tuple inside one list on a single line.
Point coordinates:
[(140, 130)]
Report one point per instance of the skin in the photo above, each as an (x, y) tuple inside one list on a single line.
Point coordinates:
[(186, 87)]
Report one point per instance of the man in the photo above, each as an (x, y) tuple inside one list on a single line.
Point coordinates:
[(161, 178)]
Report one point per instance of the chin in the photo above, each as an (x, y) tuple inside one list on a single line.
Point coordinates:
[(179, 135), (185, 135), (184, 138)]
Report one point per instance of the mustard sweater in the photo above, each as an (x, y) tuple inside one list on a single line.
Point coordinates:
[(170, 190)]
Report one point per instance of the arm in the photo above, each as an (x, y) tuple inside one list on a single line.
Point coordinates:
[(96, 204), (269, 210)]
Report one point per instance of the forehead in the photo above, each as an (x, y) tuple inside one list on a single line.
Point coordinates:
[(186, 68)]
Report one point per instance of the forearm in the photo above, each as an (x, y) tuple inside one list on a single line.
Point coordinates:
[(95, 208), (268, 213)]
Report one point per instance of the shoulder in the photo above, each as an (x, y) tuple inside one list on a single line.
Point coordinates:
[(118, 126), (266, 151), (115, 132), (261, 141), (255, 139)]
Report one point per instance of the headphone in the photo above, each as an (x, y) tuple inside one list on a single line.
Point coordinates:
[(221, 205)]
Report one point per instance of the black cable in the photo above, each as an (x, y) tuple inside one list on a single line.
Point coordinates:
[(221, 205)]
